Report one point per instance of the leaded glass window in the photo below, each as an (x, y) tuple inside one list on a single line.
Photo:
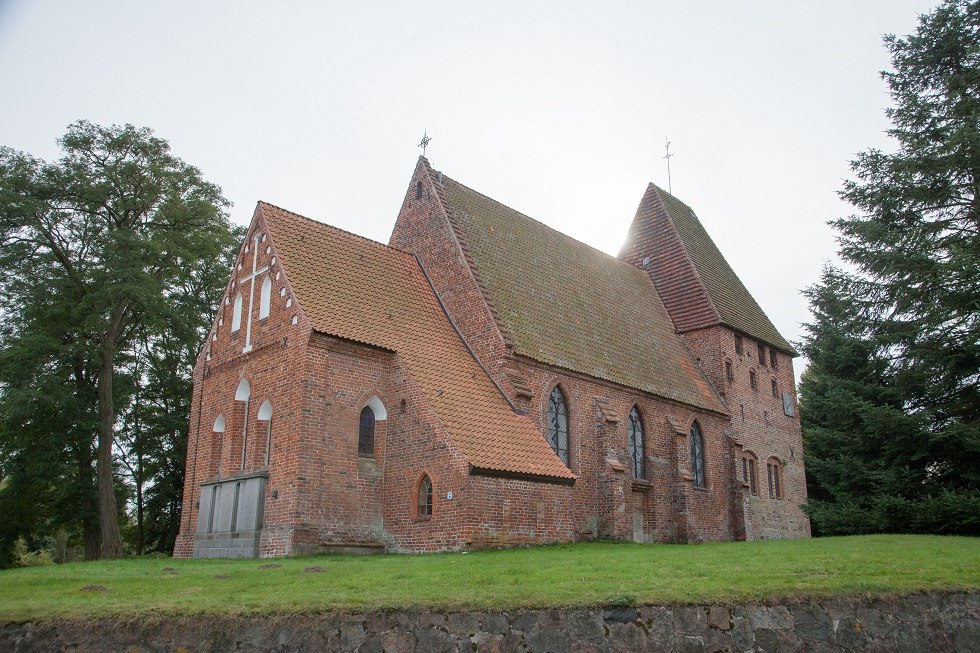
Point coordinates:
[(634, 432), (425, 497), (697, 455), (558, 425), (365, 433)]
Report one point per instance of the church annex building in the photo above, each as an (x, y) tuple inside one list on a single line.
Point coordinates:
[(484, 380)]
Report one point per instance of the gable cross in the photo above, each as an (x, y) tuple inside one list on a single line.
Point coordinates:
[(256, 271), (424, 143)]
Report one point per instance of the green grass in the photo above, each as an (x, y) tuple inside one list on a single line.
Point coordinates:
[(560, 576)]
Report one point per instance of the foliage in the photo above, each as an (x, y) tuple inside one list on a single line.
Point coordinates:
[(891, 402), (574, 575), (25, 558), (110, 254)]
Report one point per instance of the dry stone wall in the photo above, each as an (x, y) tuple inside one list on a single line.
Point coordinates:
[(918, 623)]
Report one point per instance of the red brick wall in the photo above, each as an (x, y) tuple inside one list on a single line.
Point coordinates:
[(276, 356), (759, 424)]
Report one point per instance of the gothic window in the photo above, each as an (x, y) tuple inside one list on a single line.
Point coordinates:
[(243, 393), (738, 344), (775, 388), (772, 357), (697, 455), (424, 499), (558, 424), (236, 315), (762, 354), (265, 415), (775, 469), (365, 433), (634, 431), (753, 383), (418, 190), (749, 466), (729, 374), (265, 298)]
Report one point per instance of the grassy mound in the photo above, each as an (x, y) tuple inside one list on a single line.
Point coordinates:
[(559, 576)]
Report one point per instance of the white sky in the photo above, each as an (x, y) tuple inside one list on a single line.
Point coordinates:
[(557, 109)]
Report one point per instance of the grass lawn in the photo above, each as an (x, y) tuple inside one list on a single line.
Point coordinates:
[(567, 575)]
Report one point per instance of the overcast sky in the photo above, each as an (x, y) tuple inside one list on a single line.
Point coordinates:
[(557, 109)]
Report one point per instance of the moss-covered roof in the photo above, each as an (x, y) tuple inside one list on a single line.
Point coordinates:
[(566, 304)]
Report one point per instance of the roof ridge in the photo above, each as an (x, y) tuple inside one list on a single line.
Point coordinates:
[(657, 190), (331, 227), (546, 226)]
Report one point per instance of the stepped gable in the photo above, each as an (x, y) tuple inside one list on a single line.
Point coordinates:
[(361, 290), (564, 303), (697, 284)]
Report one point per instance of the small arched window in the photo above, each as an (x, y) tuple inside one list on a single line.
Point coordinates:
[(265, 415), (236, 315), (749, 471), (697, 456), (729, 374), (775, 387), (558, 425), (219, 424), (634, 433), (265, 297), (753, 383), (424, 498), (775, 470), (365, 433)]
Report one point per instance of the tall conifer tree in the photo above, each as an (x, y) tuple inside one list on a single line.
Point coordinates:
[(891, 402)]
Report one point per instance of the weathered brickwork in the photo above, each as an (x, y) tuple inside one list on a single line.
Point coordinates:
[(277, 407)]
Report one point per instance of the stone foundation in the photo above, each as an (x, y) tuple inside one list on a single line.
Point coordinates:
[(917, 623)]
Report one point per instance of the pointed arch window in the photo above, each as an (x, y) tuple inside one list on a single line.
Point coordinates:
[(775, 472), (424, 497), (558, 425), (697, 456), (236, 315), (634, 433), (265, 415), (365, 433), (749, 467), (265, 297)]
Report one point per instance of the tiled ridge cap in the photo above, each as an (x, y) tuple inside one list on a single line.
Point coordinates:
[(324, 225), (464, 246)]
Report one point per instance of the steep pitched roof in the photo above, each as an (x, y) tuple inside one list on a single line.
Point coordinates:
[(361, 290), (566, 304), (697, 284)]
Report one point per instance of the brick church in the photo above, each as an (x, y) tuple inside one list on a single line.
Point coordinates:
[(484, 380)]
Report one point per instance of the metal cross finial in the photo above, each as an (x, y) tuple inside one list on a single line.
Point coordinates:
[(424, 142), (667, 156)]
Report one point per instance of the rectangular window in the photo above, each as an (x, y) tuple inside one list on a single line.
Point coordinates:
[(748, 474), (775, 389), (752, 381), (728, 371), (738, 344), (762, 354), (775, 481), (772, 358)]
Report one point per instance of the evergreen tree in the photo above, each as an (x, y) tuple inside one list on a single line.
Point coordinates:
[(891, 402), (100, 246)]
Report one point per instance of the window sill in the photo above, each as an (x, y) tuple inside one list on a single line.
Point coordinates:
[(422, 518), (641, 485)]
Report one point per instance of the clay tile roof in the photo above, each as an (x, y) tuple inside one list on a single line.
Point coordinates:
[(361, 290), (733, 303), (567, 304)]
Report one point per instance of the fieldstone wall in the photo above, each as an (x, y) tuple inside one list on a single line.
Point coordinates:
[(917, 623)]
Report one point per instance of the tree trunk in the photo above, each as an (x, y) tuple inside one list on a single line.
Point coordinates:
[(108, 510), (139, 504), (90, 523)]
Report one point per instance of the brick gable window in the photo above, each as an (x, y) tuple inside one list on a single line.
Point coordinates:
[(753, 383), (749, 466), (762, 354), (729, 374), (558, 425), (265, 297), (773, 359), (236, 315), (738, 344), (634, 431), (365, 433), (775, 387), (697, 456), (423, 502), (775, 470)]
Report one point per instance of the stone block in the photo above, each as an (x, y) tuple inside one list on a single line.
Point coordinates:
[(690, 620), (720, 617)]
